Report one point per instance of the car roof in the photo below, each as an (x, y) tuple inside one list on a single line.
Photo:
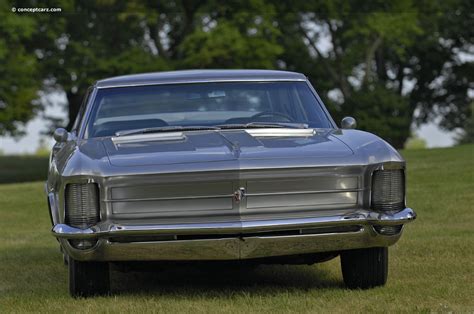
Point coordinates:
[(197, 76)]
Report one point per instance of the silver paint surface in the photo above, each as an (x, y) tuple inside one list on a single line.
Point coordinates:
[(191, 177)]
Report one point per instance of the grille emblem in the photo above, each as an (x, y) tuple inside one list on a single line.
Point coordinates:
[(239, 195)]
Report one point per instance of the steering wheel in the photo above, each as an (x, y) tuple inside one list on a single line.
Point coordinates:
[(272, 113)]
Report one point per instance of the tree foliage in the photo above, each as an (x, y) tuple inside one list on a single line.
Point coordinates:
[(19, 84), (415, 142), (385, 62), (245, 38), (93, 42), (388, 63)]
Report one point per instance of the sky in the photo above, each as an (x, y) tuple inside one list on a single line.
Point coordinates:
[(30, 143)]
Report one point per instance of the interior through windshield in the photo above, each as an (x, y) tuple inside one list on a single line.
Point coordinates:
[(204, 104)]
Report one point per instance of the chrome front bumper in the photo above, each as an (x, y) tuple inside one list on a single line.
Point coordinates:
[(235, 240)]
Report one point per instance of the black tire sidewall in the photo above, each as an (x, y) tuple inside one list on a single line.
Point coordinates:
[(88, 278), (365, 268)]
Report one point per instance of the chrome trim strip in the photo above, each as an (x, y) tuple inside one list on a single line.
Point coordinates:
[(228, 195), (391, 165), (166, 198), (197, 81), (322, 105), (168, 136), (53, 207), (88, 110), (283, 132), (358, 217), (303, 192)]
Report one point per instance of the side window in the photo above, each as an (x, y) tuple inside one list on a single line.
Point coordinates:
[(80, 114)]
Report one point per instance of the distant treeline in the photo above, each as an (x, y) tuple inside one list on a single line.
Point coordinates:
[(23, 169)]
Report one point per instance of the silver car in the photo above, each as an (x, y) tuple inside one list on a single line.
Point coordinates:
[(221, 165)]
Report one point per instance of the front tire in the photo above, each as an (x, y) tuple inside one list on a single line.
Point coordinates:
[(365, 268), (88, 278)]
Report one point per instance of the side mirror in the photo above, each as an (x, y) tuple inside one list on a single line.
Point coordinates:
[(61, 135), (348, 123)]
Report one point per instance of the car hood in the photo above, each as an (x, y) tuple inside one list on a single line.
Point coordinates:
[(211, 146)]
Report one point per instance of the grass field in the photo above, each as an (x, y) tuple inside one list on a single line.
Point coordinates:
[(431, 267)]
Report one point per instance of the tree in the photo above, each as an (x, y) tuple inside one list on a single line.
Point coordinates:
[(114, 37), (388, 63), (210, 34), (19, 83), (93, 43), (239, 35), (441, 63), (381, 61), (415, 142)]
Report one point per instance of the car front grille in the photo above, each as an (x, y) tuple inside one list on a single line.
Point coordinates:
[(246, 193)]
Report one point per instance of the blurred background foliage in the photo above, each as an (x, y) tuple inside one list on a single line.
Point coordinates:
[(390, 64)]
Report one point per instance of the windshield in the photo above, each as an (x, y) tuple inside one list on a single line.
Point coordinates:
[(213, 105)]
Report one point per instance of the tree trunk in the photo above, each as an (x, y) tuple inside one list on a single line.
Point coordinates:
[(368, 60), (381, 65), (74, 103)]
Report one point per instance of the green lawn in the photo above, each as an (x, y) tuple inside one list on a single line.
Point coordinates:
[(431, 268)]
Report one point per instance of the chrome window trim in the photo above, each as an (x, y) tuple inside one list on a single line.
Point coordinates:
[(203, 81), (87, 112), (321, 104)]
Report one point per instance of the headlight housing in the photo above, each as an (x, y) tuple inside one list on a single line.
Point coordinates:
[(388, 190), (82, 209)]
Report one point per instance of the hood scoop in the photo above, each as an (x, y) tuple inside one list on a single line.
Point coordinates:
[(283, 132)]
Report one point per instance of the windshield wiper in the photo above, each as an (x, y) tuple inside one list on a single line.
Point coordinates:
[(166, 129), (251, 125), (256, 125)]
